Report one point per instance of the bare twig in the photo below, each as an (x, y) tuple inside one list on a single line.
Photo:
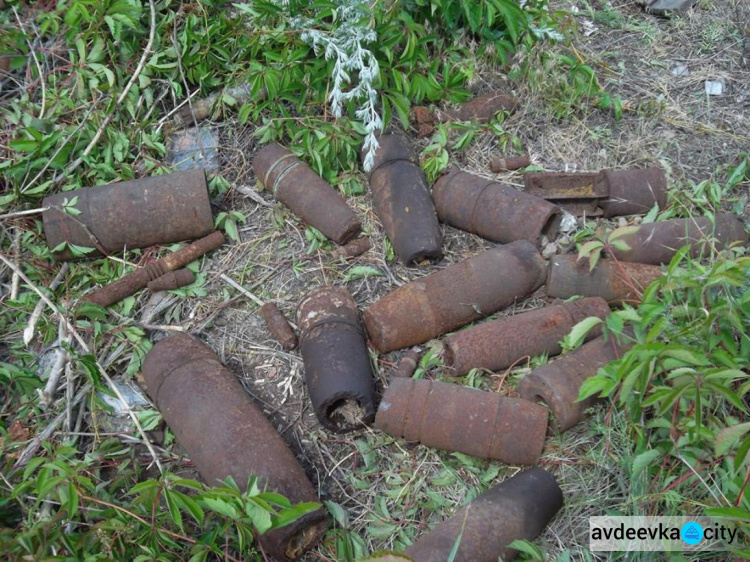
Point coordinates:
[(47, 396), (229, 281), (15, 247), (29, 331), (252, 194), (23, 213), (36, 62)]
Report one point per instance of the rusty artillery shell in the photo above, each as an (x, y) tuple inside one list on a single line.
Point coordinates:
[(463, 419), (140, 278), (172, 280), (517, 508), (226, 434), (130, 214), (402, 201), (557, 384), (278, 325), (450, 298), (493, 210), (658, 242), (633, 192), (481, 108), (297, 186), (337, 366), (499, 164), (352, 249), (499, 344), (615, 282), (408, 364)]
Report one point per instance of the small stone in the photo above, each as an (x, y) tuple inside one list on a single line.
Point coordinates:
[(622, 221), (549, 250), (193, 149), (715, 87), (680, 70), (568, 223)]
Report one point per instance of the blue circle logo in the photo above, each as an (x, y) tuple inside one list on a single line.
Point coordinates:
[(691, 533)]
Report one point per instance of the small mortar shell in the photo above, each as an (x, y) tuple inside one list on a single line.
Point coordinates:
[(499, 164), (458, 418), (517, 508), (278, 325), (172, 280), (557, 384), (130, 214), (138, 279), (633, 192), (481, 109), (658, 242), (493, 210), (352, 249), (501, 343), (297, 186), (615, 282), (337, 366), (408, 364), (443, 301), (225, 434), (402, 201)]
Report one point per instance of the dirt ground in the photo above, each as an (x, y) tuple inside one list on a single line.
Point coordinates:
[(392, 490)]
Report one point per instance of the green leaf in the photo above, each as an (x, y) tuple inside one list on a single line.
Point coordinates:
[(644, 460), (221, 507), (728, 436), (339, 513), (577, 335), (527, 548)]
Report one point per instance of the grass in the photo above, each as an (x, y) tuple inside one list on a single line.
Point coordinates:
[(381, 492)]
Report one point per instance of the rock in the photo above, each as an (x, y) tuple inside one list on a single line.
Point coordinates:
[(715, 87)]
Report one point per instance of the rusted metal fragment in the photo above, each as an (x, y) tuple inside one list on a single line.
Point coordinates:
[(633, 192), (352, 249), (445, 300), (517, 508), (225, 434), (337, 366), (425, 121), (172, 280), (615, 282), (500, 164), (278, 325), (557, 384), (140, 278), (408, 364), (463, 419), (196, 148), (556, 186), (658, 242), (481, 108), (493, 210), (297, 186), (130, 214), (501, 343), (402, 201)]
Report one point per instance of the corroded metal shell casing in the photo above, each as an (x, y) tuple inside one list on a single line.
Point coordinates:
[(557, 384), (517, 508), (500, 164), (130, 214), (352, 249), (226, 434), (172, 280), (658, 242), (450, 298), (482, 108), (463, 419), (501, 343), (402, 201), (493, 210), (337, 366), (278, 325), (633, 192), (576, 192), (297, 186), (615, 282)]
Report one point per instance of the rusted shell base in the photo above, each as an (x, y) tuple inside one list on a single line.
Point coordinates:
[(615, 282), (557, 384), (352, 249), (458, 418), (493, 210), (225, 434), (517, 508), (445, 300), (172, 280), (337, 366), (502, 342), (499, 164), (278, 325)]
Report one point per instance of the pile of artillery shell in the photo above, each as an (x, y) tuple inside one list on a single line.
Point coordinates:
[(445, 300), (658, 242), (615, 282), (493, 210), (557, 384), (131, 214), (517, 508), (458, 418), (172, 280), (297, 186), (278, 325), (337, 366), (225, 434), (501, 343), (402, 201)]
